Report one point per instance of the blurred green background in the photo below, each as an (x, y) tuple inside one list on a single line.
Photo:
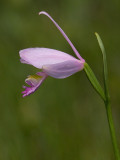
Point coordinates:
[(64, 119)]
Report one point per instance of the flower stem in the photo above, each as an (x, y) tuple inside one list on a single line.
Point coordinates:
[(112, 129), (107, 101)]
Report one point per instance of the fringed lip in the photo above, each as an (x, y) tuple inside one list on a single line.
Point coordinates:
[(34, 82)]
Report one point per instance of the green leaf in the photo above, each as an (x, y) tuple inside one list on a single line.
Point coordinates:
[(92, 78), (104, 65)]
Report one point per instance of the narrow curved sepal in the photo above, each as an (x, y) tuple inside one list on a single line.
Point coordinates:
[(64, 35)]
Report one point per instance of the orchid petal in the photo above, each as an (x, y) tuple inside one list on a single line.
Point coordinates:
[(43, 56), (64, 69), (64, 35), (34, 81)]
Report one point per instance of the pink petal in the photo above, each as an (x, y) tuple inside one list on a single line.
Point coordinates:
[(63, 69), (43, 56)]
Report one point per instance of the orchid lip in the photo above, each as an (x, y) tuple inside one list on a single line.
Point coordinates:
[(33, 83)]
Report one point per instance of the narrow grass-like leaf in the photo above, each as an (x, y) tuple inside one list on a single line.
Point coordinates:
[(104, 65), (92, 78)]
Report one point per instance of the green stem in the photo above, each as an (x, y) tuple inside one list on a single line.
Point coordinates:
[(112, 129), (107, 101)]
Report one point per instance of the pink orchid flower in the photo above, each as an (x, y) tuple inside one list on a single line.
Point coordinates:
[(52, 62)]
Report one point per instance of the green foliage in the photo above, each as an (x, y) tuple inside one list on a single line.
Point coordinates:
[(93, 80), (104, 64)]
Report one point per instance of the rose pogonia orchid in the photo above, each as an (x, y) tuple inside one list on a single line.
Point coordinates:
[(53, 63)]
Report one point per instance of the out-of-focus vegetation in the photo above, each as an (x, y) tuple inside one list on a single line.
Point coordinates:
[(64, 119)]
